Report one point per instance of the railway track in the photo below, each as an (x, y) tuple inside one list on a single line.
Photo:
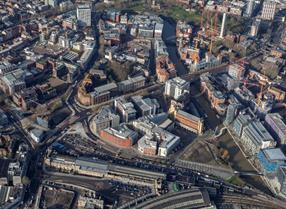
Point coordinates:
[(252, 201)]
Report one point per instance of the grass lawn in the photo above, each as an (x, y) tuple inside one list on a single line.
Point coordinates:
[(236, 181)]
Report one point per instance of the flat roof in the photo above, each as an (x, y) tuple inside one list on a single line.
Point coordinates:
[(137, 172), (274, 154), (188, 115), (92, 163)]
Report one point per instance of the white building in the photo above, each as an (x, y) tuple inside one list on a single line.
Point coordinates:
[(104, 119), (53, 3), (83, 14), (37, 135), (268, 10), (176, 87), (255, 137), (168, 141), (249, 8), (126, 109)]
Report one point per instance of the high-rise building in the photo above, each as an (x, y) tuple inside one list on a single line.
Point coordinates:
[(250, 8), (254, 30), (268, 10), (176, 87), (53, 3), (222, 26), (83, 14)]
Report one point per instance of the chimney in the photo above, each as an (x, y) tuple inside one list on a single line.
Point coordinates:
[(222, 25)]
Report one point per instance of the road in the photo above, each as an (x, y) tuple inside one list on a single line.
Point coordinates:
[(80, 114)]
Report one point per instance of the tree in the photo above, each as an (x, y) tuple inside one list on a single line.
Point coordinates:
[(25, 180)]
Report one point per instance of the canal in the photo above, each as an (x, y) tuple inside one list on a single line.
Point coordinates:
[(169, 37)]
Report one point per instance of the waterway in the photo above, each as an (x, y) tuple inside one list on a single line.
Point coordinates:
[(169, 37)]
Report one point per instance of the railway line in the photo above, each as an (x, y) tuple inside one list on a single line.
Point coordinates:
[(252, 201)]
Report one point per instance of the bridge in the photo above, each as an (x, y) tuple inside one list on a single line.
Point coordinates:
[(205, 168), (248, 173)]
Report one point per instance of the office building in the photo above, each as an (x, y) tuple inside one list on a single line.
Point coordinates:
[(13, 82), (276, 127), (145, 106), (168, 141), (102, 93), (236, 71), (231, 113), (83, 14), (282, 179), (254, 29), (189, 122), (249, 8), (176, 87), (131, 84), (125, 109), (104, 119), (268, 10), (147, 146), (270, 160), (120, 136), (240, 122), (255, 137), (165, 69)]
